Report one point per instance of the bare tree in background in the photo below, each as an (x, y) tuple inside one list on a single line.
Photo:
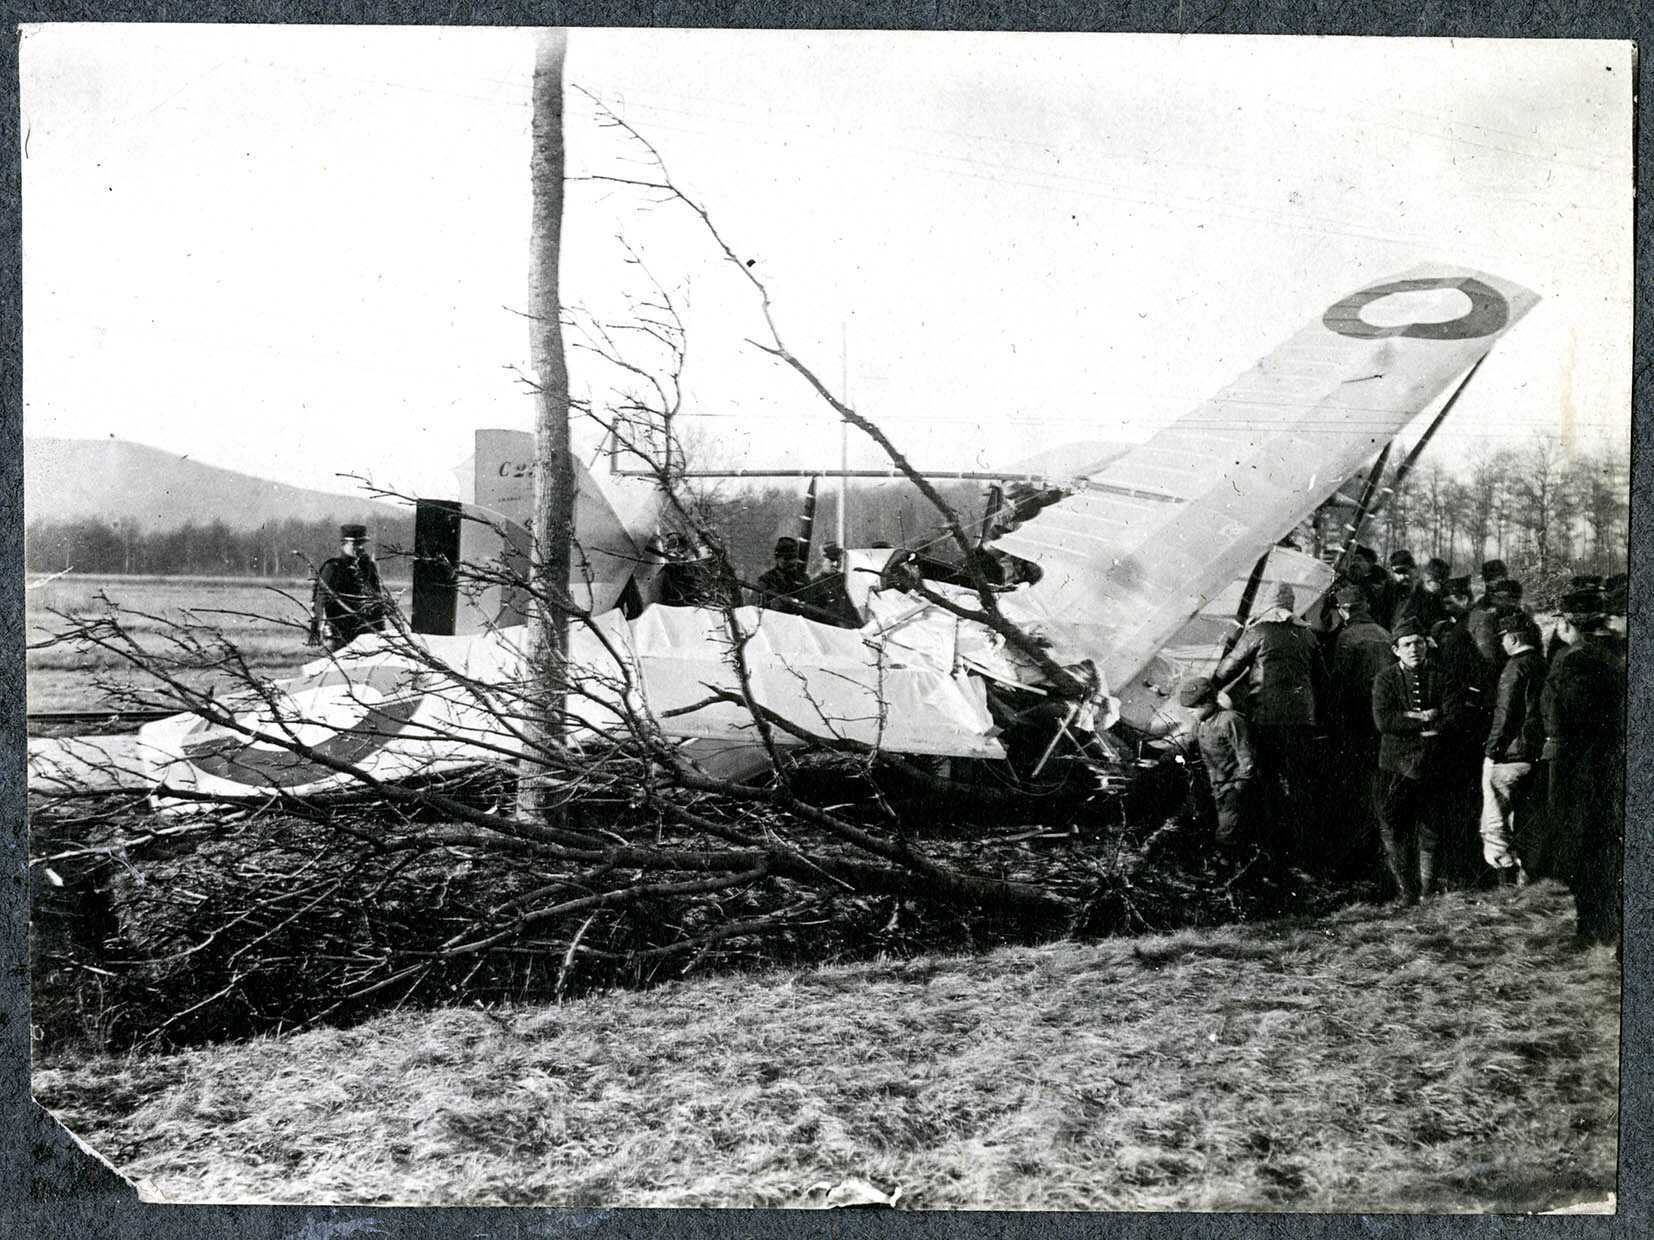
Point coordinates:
[(1542, 506)]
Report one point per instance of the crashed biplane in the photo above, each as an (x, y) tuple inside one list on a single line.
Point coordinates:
[(1146, 563)]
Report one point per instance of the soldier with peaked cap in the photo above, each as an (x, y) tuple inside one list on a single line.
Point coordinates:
[(1492, 571), (1583, 704), (1226, 752), (1408, 711), (1511, 754), (1395, 587), (1360, 651), (1484, 611), (348, 598), (1286, 692)]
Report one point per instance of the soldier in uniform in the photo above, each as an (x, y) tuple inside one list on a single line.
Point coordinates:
[(1482, 615), (1424, 601), (348, 598), (1360, 651), (1408, 711), (1394, 588), (1583, 707), (1515, 739), (780, 585), (1287, 687), (1467, 693)]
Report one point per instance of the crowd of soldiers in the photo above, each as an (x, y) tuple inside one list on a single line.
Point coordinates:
[(1415, 732)]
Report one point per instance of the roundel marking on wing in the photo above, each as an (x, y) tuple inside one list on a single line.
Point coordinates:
[(230, 756), (1488, 313)]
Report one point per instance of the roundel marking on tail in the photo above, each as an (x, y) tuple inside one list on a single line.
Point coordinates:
[(1488, 313), (231, 756)]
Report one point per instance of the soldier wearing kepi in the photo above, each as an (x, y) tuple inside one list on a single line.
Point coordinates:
[(1407, 710), (1483, 613), (1583, 706), (1515, 740), (348, 598)]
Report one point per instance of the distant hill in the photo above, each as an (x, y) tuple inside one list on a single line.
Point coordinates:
[(111, 480)]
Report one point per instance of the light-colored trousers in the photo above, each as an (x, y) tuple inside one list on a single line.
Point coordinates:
[(1503, 798)]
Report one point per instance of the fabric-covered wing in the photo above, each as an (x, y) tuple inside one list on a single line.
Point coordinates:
[(1158, 532)]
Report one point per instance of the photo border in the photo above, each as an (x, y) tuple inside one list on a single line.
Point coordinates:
[(50, 1184)]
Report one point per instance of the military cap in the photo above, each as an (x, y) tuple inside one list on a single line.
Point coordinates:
[(1492, 570), (352, 531), (1506, 587), (1437, 568), (832, 551), (1284, 597), (786, 546), (1401, 558), (1194, 692), (1407, 626), (1457, 585), (1586, 602), (1350, 596), (1366, 553), (1585, 581)]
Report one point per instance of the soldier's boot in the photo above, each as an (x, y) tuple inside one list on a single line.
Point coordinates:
[(1427, 873)]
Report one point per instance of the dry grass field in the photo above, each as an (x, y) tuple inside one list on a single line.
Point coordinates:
[(265, 619), (1458, 1057)]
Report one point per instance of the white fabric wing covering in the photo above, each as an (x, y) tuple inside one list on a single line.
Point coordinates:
[(1159, 531)]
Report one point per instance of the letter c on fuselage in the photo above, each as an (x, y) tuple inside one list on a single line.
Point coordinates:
[(1488, 313)]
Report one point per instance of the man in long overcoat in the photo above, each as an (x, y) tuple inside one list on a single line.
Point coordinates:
[(1360, 651), (1583, 703), (348, 599)]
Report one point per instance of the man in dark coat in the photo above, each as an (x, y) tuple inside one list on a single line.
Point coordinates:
[(1424, 601), (1493, 571), (1360, 652), (1467, 695), (1395, 588), (1286, 683), (1510, 757), (348, 599), (1407, 710), (780, 585), (1583, 704), (1483, 613)]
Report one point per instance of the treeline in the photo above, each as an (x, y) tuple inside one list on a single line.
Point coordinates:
[(275, 549), (1546, 513)]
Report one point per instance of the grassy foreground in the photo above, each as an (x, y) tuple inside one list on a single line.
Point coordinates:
[(1462, 1056)]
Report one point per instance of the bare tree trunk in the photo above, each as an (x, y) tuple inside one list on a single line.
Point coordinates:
[(553, 467)]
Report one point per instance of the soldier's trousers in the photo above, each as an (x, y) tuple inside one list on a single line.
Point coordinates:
[(1407, 825), (1506, 795)]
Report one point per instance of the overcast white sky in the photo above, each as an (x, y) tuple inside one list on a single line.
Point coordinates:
[(300, 252)]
